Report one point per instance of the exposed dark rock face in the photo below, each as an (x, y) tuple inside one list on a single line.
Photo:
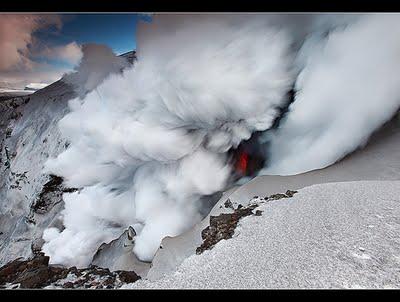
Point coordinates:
[(37, 273), (8, 132), (29, 136), (276, 196), (10, 113), (258, 213), (127, 277), (228, 204), (288, 194), (17, 179), (32, 273), (223, 226), (36, 245), (50, 195)]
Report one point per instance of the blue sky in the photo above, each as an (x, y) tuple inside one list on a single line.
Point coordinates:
[(54, 42), (115, 30)]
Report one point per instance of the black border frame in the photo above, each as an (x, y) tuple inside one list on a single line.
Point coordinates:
[(176, 6), (199, 6)]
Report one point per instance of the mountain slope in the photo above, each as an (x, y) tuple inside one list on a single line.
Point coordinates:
[(29, 135), (337, 235), (378, 160)]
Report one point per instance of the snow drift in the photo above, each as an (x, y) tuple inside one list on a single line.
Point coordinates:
[(146, 145)]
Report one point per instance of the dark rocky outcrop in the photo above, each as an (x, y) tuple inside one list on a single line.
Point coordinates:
[(228, 204), (50, 195), (223, 226), (288, 194), (31, 273), (37, 273), (17, 179)]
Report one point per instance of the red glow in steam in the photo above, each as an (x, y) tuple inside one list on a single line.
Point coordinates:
[(242, 162)]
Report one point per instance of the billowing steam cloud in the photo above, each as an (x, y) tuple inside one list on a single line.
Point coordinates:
[(347, 89), (98, 61), (148, 144)]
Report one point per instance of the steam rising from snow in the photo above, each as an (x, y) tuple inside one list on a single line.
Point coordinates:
[(348, 88), (148, 144), (98, 61)]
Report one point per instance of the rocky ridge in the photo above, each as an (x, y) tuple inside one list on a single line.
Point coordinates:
[(37, 273), (223, 226)]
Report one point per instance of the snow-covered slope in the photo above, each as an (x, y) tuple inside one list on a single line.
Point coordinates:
[(29, 136), (337, 235), (6, 94), (9, 90), (326, 236), (27, 141), (379, 160)]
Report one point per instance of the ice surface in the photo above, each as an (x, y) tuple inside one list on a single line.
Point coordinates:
[(337, 235)]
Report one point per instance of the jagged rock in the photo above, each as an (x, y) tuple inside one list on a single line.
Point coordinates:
[(228, 204), (37, 245), (8, 132), (68, 285), (33, 278), (31, 273), (37, 273), (16, 179), (222, 227), (8, 271), (15, 115), (41, 111), (288, 194), (258, 213), (275, 196), (128, 277), (50, 195)]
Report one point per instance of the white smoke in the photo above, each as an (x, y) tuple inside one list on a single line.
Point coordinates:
[(348, 88), (147, 144), (98, 61)]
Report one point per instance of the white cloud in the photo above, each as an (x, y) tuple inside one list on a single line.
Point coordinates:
[(19, 46), (70, 53), (16, 34)]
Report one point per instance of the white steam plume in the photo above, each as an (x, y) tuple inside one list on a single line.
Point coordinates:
[(98, 61), (349, 87), (146, 145)]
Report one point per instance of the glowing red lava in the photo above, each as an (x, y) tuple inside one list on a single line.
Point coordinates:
[(241, 164)]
